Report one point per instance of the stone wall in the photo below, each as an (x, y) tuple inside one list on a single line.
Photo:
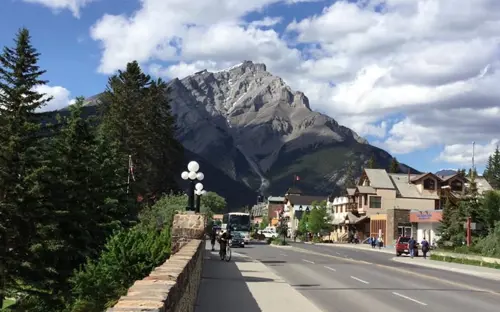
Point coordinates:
[(395, 217), (173, 286)]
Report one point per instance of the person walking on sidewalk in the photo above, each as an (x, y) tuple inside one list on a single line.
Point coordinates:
[(411, 245), (425, 248), (373, 241), (380, 242)]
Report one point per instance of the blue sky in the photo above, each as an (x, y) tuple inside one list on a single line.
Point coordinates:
[(410, 76)]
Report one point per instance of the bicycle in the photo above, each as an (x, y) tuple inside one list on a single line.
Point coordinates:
[(226, 254)]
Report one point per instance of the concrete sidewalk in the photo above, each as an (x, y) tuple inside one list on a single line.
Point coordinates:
[(492, 274), (246, 285)]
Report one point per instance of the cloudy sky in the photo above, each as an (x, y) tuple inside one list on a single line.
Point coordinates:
[(418, 78)]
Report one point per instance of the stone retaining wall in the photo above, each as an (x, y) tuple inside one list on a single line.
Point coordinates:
[(173, 286)]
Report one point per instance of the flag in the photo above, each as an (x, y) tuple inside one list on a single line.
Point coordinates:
[(297, 178), (140, 198)]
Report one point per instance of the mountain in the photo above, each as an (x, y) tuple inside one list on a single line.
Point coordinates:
[(446, 172), (253, 127), (251, 133)]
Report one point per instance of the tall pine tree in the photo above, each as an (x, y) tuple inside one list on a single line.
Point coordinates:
[(20, 157), (394, 167), (137, 113)]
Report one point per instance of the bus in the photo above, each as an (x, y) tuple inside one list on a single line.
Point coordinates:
[(238, 222)]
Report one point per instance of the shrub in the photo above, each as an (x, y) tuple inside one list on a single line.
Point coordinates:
[(279, 241), (465, 261), (129, 255)]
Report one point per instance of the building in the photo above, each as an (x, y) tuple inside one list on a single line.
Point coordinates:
[(296, 204), (393, 202)]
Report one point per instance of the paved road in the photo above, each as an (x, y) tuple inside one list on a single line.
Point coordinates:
[(342, 285), (382, 258)]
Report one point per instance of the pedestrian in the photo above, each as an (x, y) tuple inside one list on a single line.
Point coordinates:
[(373, 241), (380, 242), (411, 246), (425, 248)]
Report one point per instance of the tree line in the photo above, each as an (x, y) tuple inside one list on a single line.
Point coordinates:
[(67, 186)]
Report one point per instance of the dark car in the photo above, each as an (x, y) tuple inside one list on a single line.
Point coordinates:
[(237, 240), (403, 248)]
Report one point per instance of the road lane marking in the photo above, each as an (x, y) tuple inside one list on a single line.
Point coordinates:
[(338, 253), (283, 254), (359, 280), (404, 271), (408, 298), (308, 261), (331, 269)]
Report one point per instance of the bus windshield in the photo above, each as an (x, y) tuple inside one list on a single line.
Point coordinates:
[(239, 222)]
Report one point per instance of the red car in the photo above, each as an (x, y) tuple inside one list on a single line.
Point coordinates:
[(403, 248)]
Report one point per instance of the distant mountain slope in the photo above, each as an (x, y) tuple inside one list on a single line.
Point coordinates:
[(252, 134)]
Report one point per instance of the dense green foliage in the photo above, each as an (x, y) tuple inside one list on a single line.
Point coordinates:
[(318, 220), (212, 202), (492, 170), (63, 188), (483, 209)]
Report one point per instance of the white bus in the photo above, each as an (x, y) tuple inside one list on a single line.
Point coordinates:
[(238, 222)]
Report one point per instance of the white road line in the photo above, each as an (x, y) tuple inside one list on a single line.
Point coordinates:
[(308, 261), (408, 298), (331, 269), (359, 280), (338, 253), (283, 254)]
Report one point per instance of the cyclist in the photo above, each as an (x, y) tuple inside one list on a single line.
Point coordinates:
[(213, 236), (223, 241)]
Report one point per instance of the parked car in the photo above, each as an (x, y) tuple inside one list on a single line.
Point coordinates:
[(403, 248), (269, 234)]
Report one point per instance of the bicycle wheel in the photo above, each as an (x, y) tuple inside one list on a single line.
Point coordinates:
[(228, 253)]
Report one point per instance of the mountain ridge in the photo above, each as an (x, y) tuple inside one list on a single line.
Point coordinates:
[(255, 132)]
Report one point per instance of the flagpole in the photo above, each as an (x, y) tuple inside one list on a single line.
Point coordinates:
[(128, 175)]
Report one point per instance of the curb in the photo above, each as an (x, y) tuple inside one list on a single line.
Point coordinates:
[(384, 250), (436, 266)]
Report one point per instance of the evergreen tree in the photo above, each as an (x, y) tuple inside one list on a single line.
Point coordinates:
[(488, 169), (349, 181), (20, 156), (371, 162), (495, 170), (137, 113), (451, 226), (394, 167)]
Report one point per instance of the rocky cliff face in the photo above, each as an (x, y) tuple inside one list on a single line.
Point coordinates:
[(251, 125)]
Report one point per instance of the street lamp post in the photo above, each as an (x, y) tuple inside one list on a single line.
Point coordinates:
[(199, 192), (193, 175)]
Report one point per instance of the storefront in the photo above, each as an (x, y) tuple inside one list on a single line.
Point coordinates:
[(426, 224)]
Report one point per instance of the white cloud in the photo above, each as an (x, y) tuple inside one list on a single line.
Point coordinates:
[(461, 154), (58, 5), (436, 63), (61, 97)]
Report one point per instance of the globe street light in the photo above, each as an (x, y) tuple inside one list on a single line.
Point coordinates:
[(193, 175), (199, 192)]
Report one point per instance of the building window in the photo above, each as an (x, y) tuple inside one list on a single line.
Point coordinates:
[(456, 185), (365, 199), (437, 204), (375, 202), (429, 184), (360, 204)]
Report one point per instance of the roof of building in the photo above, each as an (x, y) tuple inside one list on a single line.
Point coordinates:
[(276, 199), (366, 190), (351, 191), (293, 190), (406, 189), (304, 199), (482, 185), (418, 177), (379, 178)]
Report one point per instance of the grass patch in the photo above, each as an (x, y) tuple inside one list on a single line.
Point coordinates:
[(466, 261)]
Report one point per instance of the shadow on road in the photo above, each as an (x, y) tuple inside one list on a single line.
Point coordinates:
[(223, 288)]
